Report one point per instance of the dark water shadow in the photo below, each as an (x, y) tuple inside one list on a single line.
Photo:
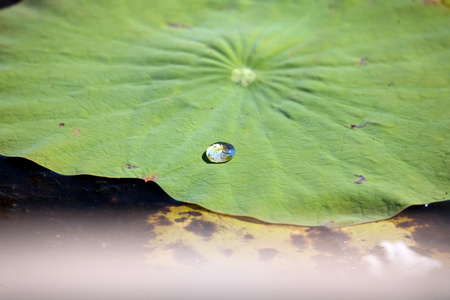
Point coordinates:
[(7, 3), (26, 187)]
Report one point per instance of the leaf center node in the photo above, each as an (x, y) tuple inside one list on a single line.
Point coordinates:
[(243, 76)]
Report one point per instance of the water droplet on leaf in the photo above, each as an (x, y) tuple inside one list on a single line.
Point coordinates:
[(220, 152)]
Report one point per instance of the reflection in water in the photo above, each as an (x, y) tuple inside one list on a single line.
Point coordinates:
[(400, 260)]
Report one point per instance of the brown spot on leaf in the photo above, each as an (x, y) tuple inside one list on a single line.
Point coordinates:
[(77, 132), (128, 166), (178, 25), (267, 254), (361, 180), (201, 228), (363, 60), (359, 126), (61, 124), (150, 178), (180, 220)]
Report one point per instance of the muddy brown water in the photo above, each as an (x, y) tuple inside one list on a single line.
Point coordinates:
[(66, 237)]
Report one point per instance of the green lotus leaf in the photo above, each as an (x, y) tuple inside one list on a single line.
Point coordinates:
[(338, 110)]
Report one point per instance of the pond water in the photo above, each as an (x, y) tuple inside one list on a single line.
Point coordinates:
[(64, 237)]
